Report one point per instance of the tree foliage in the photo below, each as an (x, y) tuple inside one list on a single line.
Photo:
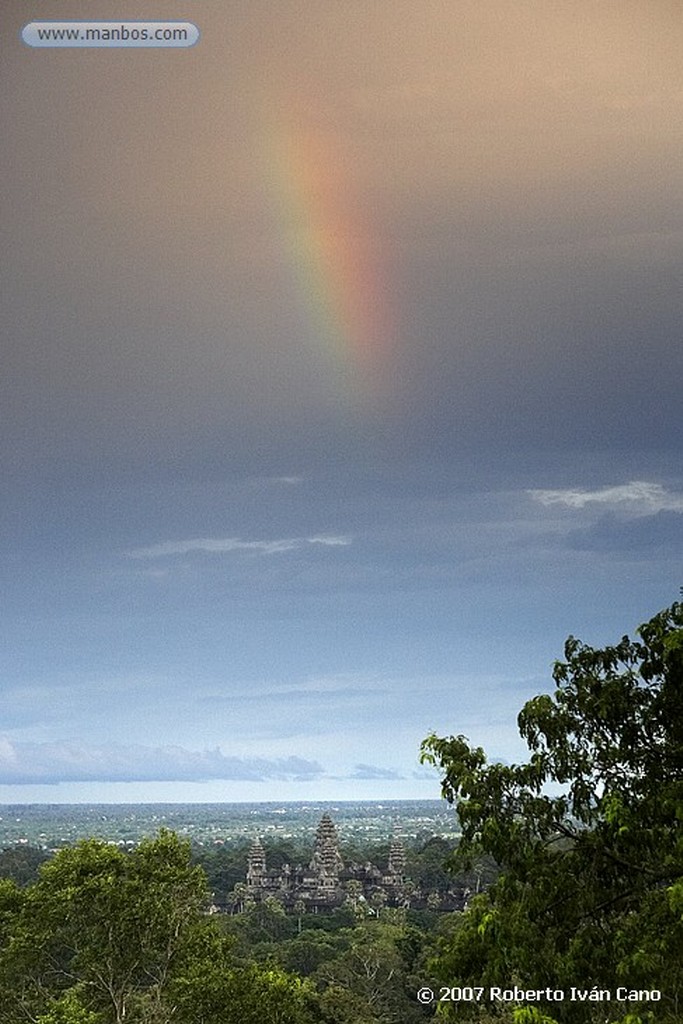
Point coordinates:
[(591, 891), (110, 937), (211, 989), (106, 923)]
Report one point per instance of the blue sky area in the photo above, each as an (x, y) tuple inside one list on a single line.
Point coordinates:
[(307, 455)]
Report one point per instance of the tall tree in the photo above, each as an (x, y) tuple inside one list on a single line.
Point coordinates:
[(592, 885), (107, 923)]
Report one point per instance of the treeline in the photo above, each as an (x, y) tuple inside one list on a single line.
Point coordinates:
[(105, 936), (97, 934), (225, 866)]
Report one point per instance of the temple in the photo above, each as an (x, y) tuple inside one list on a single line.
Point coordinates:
[(325, 882)]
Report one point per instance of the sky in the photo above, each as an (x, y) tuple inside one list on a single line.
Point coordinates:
[(340, 382)]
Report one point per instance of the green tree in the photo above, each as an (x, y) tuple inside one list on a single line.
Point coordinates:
[(109, 922), (355, 900), (309, 950), (69, 1009), (240, 898), (224, 867), (366, 983), (21, 863), (591, 891), (299, 909), (265, 921), (210, 989), (426, 865)]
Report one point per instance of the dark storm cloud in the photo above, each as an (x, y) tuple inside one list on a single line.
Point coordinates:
[(551, 349)]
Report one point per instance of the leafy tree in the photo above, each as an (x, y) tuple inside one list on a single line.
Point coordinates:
[(109, 922), (366, 982), (309, 950), (265, 921), (109, 937), (224, 866), (299, 909), (378, 901), (21, 863), (426, 865), (591, 891), (240, 898), (355, 898), (69, 1009), (210, 989)]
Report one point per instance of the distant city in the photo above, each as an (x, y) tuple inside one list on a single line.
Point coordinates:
[(51, 826)]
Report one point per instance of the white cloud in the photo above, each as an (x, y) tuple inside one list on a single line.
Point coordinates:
[(640, 495), (51, 763), (224, 545), (331, 542)]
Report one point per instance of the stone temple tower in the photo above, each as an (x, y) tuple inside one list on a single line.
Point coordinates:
[(326, 863), (397, 861), (256, 865)]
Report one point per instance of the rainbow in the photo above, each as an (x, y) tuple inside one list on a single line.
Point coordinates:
[(331, 249)]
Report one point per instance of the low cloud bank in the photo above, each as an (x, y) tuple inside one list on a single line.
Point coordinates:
[(52, 763)]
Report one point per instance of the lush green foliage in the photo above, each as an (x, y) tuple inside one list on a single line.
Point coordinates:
[(591, 891), (363, 970), (22, 863), (108, 937), (104, 936)]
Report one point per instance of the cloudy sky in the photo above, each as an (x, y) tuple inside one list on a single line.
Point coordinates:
[(341, 381)]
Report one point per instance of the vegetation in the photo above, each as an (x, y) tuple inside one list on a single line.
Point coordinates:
[(21, 863), (363, 970), (102, 935), (107, 937), (591, 892), (574, 862)]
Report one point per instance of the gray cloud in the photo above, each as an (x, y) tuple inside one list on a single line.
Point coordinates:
[(511, 324), (56, 762)]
